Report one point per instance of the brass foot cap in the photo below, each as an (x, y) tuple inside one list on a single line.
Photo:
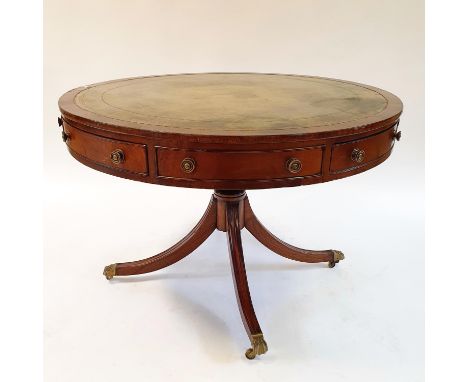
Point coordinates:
[(337, 256), (109, 271), (259, 346)]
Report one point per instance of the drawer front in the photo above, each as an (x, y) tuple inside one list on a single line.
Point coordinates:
[(111, 153), (350, 155), (239, 165)]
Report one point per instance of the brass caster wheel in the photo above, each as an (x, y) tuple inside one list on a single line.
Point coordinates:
[(250, 354), (259, 346), (337, 256), (109, 271)]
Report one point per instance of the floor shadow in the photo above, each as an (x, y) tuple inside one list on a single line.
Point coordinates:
[(213, 332), (192, 274)]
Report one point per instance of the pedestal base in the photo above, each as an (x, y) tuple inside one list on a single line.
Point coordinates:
[(230, 212)]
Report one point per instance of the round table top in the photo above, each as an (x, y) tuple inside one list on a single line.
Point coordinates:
[(230, 131), (232, 104)]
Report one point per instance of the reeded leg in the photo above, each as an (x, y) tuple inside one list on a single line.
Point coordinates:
[(259, 346), (278, 246), (229, 211), (187, 245)]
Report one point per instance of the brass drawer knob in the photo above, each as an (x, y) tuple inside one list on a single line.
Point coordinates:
[(358, 155), (294, 165), (117, 156), (187, 165)]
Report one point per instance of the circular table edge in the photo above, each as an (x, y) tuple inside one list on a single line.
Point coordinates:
[(70, 110), (272, 145)]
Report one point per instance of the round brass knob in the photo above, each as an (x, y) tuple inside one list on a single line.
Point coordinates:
[(187, 165), (117, 156), (358, 155), (294, 165)]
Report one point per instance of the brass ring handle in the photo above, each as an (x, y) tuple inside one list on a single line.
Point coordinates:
[(357, 155), (188, 165), (117, 156), (65, 136), (294, 165)]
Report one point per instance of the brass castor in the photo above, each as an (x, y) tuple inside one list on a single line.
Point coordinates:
[(250, 354), (337, 256), (109, 271), (259, 346)]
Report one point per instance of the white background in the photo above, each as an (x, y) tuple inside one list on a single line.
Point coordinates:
[(362, 320), (21, 282)]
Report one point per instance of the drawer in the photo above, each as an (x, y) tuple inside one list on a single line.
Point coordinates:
[(350, 155), (239, 165), (111, 153)]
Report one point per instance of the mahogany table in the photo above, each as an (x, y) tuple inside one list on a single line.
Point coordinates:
[(230, 132)]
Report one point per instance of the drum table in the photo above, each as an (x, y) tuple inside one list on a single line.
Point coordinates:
[(230, 132)]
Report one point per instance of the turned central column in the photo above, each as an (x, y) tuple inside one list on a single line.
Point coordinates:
[(223, 197)]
